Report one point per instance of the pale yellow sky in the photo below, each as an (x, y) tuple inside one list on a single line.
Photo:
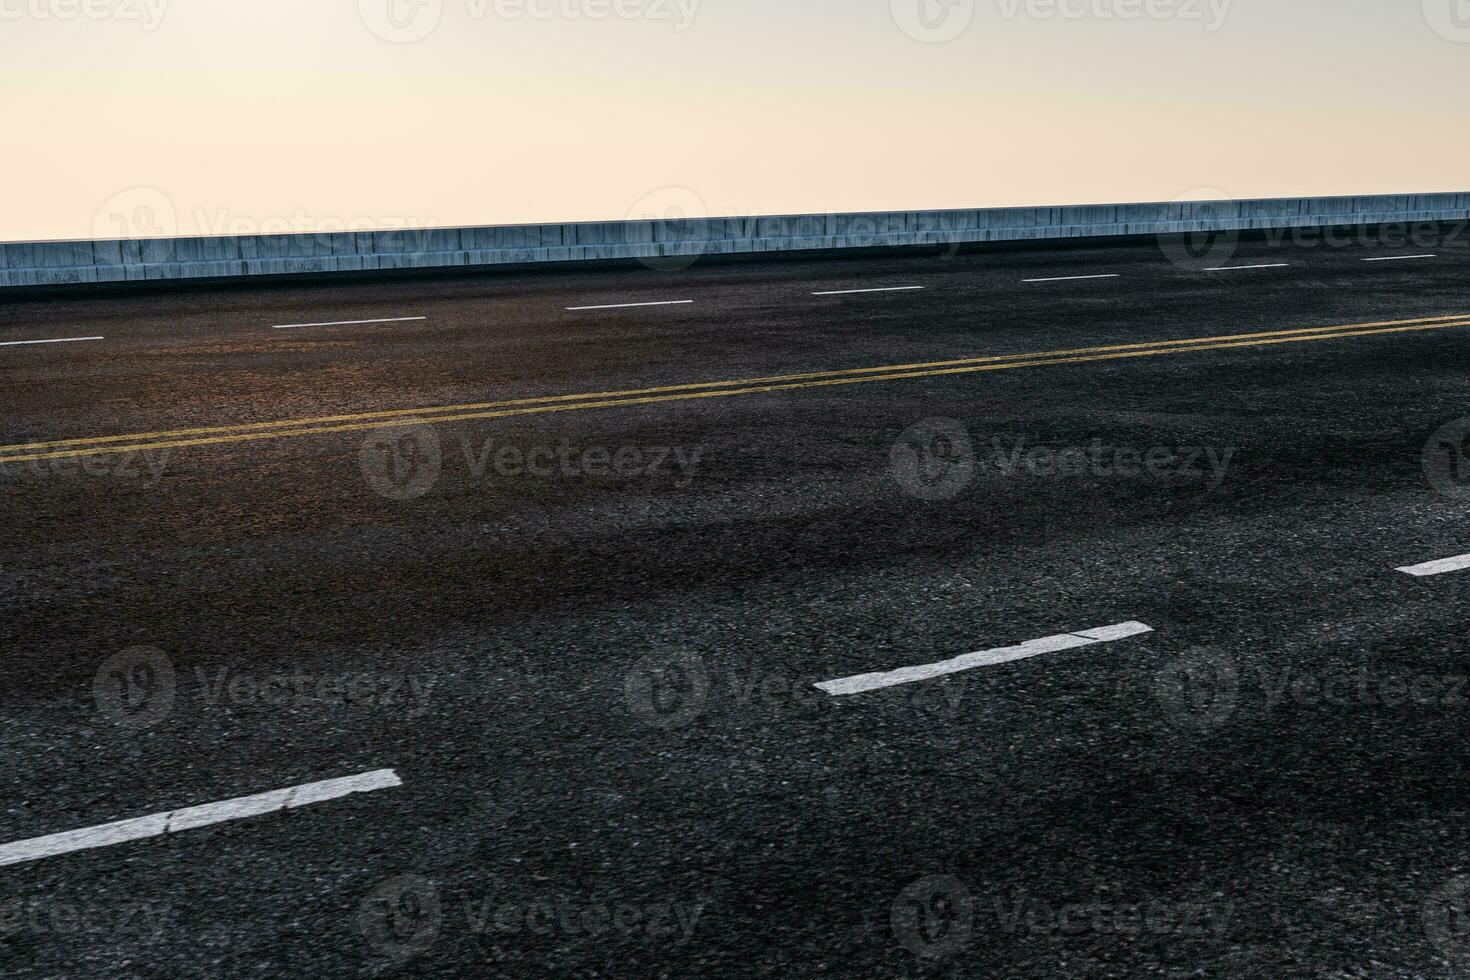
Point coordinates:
[(125, 118)]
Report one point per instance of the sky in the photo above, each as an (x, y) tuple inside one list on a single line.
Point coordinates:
[(131, 118)]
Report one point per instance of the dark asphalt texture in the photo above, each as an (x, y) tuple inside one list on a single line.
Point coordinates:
[(596, 685)]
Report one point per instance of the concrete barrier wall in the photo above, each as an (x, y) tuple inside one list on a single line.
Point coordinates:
[(58, 263)]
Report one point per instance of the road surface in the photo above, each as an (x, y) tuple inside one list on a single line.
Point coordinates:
[(474, 624)]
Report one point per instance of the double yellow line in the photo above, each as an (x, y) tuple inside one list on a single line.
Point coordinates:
[(287, 428)]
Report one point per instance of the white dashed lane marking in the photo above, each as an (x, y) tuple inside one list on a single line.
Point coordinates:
[(1242, 268), (883, 289), (986, 658), (1110, 275), (629, 306), (1440, 567), (173, 821), (1400, 258), (58, 340), (347, 323)]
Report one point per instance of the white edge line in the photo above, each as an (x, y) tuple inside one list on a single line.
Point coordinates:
[(885, 289), (626, 306), (58, 340), (862, 683), (1400, 258), (347, 323), (159, 824), (1440, 567), (1110, 275), (1239, 268)]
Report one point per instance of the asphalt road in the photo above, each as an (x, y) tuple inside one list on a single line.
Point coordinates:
[(577, 640)]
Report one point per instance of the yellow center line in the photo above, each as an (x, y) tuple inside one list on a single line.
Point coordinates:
[(600, 397), (893, 374)]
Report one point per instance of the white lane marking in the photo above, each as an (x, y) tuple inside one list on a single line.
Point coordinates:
[(158, 824), (625, 306), (1437, 567), (1400, 258), (985, 658), (1238, 268), (884, 289), (347, 323), (58, 340), (1110, 275)]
